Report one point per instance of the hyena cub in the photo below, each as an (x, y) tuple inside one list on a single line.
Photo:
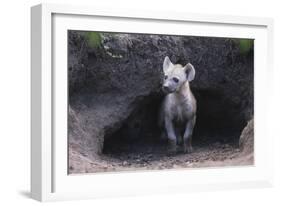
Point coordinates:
[(178, 109)]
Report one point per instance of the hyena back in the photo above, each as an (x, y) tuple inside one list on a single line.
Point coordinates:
[(178, 110)]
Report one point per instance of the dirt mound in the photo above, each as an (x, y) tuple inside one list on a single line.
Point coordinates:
[(153, 156), (246, 142)]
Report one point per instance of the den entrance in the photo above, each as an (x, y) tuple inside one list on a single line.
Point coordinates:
[(216, 134)]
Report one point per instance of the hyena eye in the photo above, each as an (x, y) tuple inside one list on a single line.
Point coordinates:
[(165, 77), (175, 79)]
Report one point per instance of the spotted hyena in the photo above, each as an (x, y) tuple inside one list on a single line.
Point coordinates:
[(178, 110)]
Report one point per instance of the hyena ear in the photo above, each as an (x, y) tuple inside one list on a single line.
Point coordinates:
[(190, 72), (166, 64)]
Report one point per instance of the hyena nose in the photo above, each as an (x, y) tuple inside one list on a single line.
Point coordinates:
[(165, 88)]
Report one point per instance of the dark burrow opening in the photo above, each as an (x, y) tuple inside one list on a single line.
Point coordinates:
[(219, 122)]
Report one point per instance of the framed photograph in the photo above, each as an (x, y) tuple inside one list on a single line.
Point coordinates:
[(136, 102)]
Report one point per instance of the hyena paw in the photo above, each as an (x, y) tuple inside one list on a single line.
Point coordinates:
[(172, 146), (187, 149)]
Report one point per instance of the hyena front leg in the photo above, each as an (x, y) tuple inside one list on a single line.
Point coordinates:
[(172, 138), (187, 137), (179, 136)]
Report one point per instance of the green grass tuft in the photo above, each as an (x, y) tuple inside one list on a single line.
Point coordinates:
[(94, 39), (245, 45)]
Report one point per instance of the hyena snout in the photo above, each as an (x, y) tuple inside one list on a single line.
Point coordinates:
[(167, 89)]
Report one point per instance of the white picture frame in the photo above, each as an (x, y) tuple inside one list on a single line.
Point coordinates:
[(49, 178)]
